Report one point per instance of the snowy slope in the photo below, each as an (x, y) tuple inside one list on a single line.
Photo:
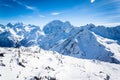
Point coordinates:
[(86, 45), (34, 63)]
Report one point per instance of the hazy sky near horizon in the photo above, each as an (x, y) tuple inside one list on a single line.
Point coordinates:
[(78, 12)]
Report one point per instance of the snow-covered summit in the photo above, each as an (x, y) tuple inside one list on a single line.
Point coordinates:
[(56, 26)]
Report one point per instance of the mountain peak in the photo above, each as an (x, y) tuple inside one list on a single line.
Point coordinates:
[(10, 25), (56, 26), (56, 21), (88, 26), (19, 24)]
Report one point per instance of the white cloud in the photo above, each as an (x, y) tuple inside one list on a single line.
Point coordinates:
[(92, 1), (55, 13), (110, 24), (6, 5), (30, 7), (25, 5), (42, 16)]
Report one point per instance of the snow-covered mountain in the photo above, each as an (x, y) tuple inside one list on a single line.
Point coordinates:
[(82, 42), (34, 63), (15, 35), (87, 42)]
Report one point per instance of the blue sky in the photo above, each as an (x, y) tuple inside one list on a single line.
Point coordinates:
[(78, 12)]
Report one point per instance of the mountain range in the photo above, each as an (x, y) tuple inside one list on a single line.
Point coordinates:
[(86, 42), (59, 51)]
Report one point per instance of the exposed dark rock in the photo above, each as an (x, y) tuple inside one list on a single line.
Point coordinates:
[(1, 54), (107, 77), (21, 64), (114, 60), (49, 78), (2, 64), (36, 78), (52, 78), (100, 72), (49, 68)]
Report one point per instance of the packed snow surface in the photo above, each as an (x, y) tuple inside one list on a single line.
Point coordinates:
[(34, 63)]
